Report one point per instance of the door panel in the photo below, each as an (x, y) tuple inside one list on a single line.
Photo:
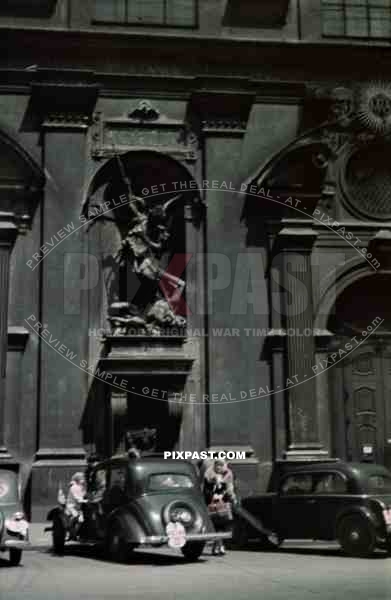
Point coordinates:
[(296, 506), (361, 403)]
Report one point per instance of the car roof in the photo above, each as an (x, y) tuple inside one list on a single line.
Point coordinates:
[(349, 468), (149, 464)]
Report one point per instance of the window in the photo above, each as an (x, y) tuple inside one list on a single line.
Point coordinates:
[(8, 487), (300, 483), (256, 13), (356, 18), (330, 483), (117, 492), (27, 8), (169, 480), (174, 13), (98, 485)]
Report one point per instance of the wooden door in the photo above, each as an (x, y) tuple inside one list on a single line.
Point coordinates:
[(360, 387)]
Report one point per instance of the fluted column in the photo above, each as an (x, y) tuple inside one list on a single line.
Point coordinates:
[(8, 233), (295, 244)]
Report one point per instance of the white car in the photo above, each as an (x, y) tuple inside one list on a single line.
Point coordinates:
[(14, 528)]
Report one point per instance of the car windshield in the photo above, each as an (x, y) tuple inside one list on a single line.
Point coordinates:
[(8, 487), (165, 481), (378, 483)]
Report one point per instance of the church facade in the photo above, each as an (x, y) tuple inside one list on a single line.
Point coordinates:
[(195, 209)]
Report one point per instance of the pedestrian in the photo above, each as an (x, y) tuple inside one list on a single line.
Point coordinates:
[(74, 502), (219, 495)]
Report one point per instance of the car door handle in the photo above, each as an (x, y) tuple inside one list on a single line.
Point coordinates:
[(311, 501)]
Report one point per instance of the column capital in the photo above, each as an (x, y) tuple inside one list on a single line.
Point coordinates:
[(222, 113), (64, 98), (380, 247), (8, 229), (295, 237)]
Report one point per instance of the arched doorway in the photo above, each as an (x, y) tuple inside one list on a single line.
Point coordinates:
[(361, 382)]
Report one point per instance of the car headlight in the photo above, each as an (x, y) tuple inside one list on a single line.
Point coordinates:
[(17, 524), (182, 515)]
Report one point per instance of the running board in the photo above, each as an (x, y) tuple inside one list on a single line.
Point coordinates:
[(253, 521)]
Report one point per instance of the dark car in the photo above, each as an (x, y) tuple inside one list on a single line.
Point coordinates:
[(134, 502), (13, 526), (321, 500)]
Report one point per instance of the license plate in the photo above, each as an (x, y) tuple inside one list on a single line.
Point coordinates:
[(176, 535), (387, 516)]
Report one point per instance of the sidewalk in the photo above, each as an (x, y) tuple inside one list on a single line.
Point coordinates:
[(39, 539)]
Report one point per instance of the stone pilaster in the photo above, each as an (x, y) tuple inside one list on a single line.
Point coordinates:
[(295, 244), (8, 233), (63, 102), (222, 121)]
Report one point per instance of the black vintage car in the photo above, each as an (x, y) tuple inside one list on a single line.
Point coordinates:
[(321, 500), (14, 529), (133, 502)]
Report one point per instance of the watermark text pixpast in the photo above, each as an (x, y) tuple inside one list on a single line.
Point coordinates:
[(205, 454)]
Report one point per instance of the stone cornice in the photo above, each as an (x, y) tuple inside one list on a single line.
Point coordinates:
[(276, 341), (131, 51), (64, 98), (17, 338), (220, 112)]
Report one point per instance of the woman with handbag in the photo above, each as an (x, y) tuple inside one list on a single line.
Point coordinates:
[(219, 495)]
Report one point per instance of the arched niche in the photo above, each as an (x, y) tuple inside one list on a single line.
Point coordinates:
[(21, 181), (360, 304), (297, 172), (144, 212), (360, 380), (21, 187)]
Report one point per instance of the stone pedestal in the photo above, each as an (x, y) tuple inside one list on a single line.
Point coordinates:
[(142, 380)]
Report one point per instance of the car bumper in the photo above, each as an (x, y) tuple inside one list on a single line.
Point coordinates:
[(159, 540), (12, 543)]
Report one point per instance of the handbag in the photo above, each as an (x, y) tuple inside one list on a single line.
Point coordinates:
[(220, 510)]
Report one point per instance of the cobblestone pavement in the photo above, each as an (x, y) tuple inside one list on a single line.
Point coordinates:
[(297, 571)]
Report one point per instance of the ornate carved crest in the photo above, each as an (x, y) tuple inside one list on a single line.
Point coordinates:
[(144, 111), (374, 109), (367, 105), (143, 128)]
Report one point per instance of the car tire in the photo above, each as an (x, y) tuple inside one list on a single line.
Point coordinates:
[(356, 536), (58, 536), (193, 550), (15, 556)]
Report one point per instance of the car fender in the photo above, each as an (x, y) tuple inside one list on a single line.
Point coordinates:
[(363, 511), (133, 531), (57, 513)]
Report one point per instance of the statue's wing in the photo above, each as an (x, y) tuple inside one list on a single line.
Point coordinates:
[(94, 208), (171, 202)]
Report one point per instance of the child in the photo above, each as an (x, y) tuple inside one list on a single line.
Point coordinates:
[(219, 490)]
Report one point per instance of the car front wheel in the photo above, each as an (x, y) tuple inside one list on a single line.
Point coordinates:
[(15, 556), (193, 550), (356, 536)]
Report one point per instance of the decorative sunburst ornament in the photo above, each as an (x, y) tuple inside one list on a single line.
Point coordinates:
[(374, 107)]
